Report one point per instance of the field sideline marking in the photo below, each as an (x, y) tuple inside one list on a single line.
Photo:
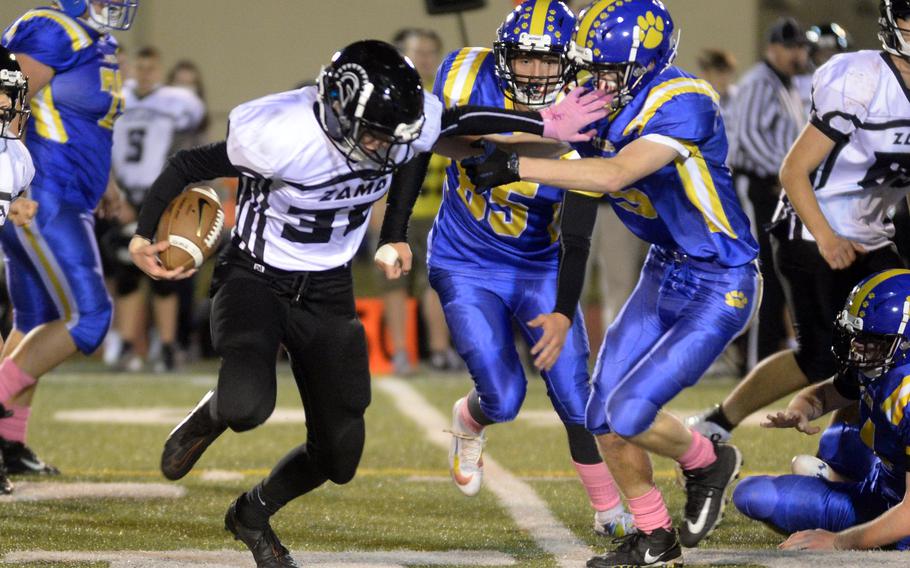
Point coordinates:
[(523, 504)]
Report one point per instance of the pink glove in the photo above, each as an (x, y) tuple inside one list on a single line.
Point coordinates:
[(578, 109)]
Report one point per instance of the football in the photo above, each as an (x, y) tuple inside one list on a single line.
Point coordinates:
[(192, 224)]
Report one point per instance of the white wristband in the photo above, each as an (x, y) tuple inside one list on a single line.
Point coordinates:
[(387, 255)]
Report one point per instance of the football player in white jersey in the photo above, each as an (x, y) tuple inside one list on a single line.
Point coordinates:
[(311, 163), (850, 165), (143, 139), (16, 168)]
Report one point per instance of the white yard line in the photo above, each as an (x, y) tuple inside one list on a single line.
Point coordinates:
[(53, 491), (526, 508)]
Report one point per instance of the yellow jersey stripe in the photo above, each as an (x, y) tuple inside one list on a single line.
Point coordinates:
[(701, 191), (48, 122), (894, 405), (449, 86), (48, 269), (539, 17), (591, 16), (79, 38), (860, 296), (666, 92), (471, 78), (462, 75)]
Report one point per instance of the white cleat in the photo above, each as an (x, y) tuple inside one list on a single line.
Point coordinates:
[(611, 525), (708, 429), (810, 466), (465, 454)]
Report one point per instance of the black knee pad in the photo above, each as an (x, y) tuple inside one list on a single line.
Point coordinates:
[(245, 397), (339, 456), (582, 445)]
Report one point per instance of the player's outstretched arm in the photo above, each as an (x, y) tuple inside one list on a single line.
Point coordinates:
[(597, 175), (563, 121), (892, 526), (809, 404), (806, 155), (579, 212)]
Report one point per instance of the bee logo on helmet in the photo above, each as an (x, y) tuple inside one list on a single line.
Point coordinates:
[(623, 45)]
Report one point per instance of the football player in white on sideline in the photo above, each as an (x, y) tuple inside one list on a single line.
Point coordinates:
[(311, 163), (143, 139), (850, 165), (16, 168)]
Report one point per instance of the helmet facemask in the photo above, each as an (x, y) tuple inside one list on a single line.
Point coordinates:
[(113, 15), (890, 33), (14, 117), (531, 90), (343, 96), (872, 354)]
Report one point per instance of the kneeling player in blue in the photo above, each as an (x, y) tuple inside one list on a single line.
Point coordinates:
[(872, 344), (660, 158), (509, 235)]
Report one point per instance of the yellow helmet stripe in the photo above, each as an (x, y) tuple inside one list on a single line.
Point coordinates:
[(860, 297), (539, 17), (584, 26)]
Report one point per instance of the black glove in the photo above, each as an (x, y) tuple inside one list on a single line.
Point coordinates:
[(492, 168)]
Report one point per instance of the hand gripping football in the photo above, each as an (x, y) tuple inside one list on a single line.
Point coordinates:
[(192, 224)]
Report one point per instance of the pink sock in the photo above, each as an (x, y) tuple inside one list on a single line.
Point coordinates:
[(13, 380), (700, 454), (598, 482), (650, 512), (468, 420), (14, 427)]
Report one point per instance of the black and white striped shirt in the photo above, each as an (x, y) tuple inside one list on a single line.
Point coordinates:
[(767, 114)]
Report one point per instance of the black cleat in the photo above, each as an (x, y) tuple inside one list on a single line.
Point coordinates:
[(706, 497), (4, 412), (19, 459), (6, 486), (264, 544), (189, 439), (660, 548)]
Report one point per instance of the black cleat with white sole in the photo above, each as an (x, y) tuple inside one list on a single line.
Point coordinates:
[(264, 544), (660, 548), (706, 494), (19, 459), (189, 439)]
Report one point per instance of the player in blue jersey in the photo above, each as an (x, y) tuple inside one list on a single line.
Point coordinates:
[(660, 160), (58, 293), (493, 259), (872, 344)]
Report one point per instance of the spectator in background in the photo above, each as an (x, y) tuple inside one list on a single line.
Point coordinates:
[(767, 116), (825, 41), (424, 48), (718, 67), (143, 139), (185, 73)]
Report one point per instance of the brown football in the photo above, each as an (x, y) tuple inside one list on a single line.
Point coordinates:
[(192, 224)]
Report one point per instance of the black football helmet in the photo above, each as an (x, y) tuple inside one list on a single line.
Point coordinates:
[(14, 84), (889, 32), (370, 90)]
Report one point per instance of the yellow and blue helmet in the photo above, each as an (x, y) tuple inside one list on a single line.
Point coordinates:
[(872, 332), (103, 15), (534, 29), (623, 44)]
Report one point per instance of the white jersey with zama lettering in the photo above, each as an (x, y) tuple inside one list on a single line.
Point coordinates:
[(144, 134), (300, 205), (860, 101), (16, 173)]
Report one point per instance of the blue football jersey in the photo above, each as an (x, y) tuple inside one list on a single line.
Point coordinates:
[(689, 205), (70, 134), (512, 228), (884, 409)]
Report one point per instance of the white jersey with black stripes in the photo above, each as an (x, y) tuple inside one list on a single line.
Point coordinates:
[(300, 205), (144, 134), (860, 101), (16, 173)]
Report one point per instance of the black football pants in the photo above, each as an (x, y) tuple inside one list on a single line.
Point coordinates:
[(254, 311)]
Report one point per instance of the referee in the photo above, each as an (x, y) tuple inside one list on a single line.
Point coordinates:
[(768, 115)]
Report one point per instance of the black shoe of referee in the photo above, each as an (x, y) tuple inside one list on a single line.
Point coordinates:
[(189, 439), (706, 497)]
